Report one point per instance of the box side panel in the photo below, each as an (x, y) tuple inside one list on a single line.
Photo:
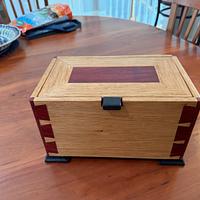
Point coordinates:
[(138, 130)]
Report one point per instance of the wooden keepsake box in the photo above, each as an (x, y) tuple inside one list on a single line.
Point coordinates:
[(116, 106)]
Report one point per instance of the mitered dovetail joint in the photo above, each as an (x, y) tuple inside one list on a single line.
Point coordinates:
[(46, 131), (189, 115)]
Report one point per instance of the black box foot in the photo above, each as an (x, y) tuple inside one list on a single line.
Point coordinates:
[(57, 159), (178, 162)]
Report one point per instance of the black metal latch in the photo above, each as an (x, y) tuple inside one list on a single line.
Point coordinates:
[(111, 103)]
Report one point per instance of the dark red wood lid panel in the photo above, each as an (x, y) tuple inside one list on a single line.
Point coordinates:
[(113, 75)]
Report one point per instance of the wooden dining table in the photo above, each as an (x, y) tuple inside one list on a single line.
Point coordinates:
[(23, 173)]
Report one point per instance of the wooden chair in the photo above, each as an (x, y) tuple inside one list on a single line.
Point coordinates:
[(187, 4), (21, 3)]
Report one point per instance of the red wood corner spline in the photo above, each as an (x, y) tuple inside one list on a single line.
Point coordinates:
[(189, 115), (46, 131)]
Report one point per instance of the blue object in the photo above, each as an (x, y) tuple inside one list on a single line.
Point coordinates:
[(63, 26), (8, 34), (10, 48)]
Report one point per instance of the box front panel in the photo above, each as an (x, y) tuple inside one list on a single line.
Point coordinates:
[(138, 130)]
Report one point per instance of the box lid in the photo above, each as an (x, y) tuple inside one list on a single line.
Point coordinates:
[(150, 76)]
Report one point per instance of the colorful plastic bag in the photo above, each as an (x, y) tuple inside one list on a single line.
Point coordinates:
[(42, 16)]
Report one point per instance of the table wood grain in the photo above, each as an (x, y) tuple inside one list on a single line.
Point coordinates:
[(23, 173)]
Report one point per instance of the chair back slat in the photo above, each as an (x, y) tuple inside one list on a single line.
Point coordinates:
[(196, 36), (29, 5), (1, 19), (191, 23), (46, 2), (172, 18), (13, 8), (131, 10), (5, 12), (37, 4), (21, 6), (180, 27)]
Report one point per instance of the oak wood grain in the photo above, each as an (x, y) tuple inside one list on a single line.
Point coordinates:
[(23, 172)]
